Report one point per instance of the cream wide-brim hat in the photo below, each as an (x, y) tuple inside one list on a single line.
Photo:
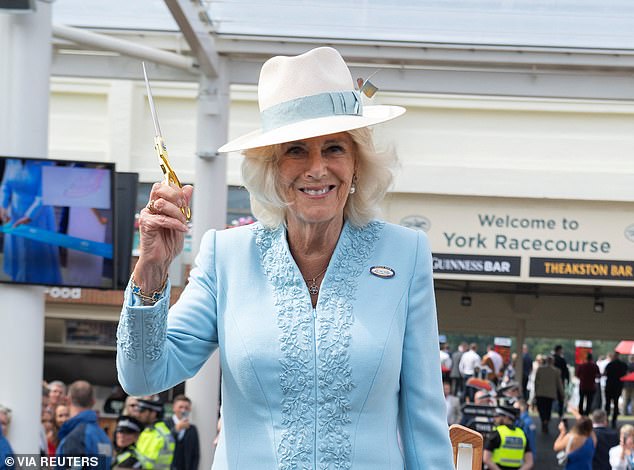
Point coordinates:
[(308, 95)]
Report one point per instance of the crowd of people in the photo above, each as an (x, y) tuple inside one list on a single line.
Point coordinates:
[(591, 392), (143, 437)]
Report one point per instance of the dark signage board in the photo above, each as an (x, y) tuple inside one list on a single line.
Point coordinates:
[(569, 268), (449, 263), (479, 417), (478, 410)]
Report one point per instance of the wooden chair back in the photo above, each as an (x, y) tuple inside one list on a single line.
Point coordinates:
[(467, 447)]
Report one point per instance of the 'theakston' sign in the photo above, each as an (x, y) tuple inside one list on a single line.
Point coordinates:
[(524, 240)]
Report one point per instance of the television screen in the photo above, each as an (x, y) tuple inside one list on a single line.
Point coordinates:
[(125, 209), (57, 222)]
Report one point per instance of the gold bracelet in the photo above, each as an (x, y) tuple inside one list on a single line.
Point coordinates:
[(153, 297)]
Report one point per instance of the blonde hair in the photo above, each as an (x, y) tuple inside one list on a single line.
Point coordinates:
[(373, 179), (626, 431)]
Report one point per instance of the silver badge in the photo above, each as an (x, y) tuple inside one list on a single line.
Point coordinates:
[(382, 271)]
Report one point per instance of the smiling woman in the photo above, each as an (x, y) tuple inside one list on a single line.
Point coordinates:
[(372, 178), (324, 316), (316, 176)]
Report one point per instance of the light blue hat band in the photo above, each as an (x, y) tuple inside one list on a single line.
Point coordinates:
[(312, 107)]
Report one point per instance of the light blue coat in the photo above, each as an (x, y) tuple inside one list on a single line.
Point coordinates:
[(343, 386)]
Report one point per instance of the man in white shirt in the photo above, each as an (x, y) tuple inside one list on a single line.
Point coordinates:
[(600, 397), (469, 361)]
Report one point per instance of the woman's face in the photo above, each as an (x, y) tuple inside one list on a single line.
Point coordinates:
[(316, 175), (47, 421), (61, 415)]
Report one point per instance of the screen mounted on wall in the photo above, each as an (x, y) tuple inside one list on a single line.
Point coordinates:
[(56, 222)]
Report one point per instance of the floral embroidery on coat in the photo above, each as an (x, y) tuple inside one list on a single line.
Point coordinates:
[(154, 334), (127, 336), (136, 326), (316, 377)]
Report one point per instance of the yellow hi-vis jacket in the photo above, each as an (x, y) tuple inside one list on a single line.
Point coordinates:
[(511, 450), (156, 447), (127, 458)]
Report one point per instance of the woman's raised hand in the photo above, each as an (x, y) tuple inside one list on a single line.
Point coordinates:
[(162, 229)]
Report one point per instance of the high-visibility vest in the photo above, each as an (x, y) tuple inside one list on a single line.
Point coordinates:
[(128, 458), (511, 450), (156, 446)]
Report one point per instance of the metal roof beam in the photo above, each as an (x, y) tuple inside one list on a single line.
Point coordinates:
[(102, 42), (72, 63), (404, 67), (196, 26), (421, 54), (529, 82), (455, 68)]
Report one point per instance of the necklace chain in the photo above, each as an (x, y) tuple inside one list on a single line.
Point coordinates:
[(313, 287)]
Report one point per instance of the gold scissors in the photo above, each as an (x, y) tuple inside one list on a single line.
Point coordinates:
[(161, 149)]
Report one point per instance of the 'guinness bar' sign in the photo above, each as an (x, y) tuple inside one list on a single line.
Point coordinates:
[(448, 263)]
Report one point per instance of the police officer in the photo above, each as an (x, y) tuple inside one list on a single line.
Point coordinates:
[(156, 443), (506, 447), (126, 435), (509, 393)]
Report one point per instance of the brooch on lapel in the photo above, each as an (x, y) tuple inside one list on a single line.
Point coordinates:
[(382, 271)]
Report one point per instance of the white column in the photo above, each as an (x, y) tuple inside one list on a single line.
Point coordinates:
[(25, 42), (204, 391), (209, 211), (22, 353), (122, 98)]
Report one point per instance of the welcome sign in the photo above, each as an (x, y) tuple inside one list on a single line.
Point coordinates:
[(523, 240)]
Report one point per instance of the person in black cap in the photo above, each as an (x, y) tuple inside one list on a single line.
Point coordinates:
[(482, 399), (126, 435), (507, 446), (509, 393), (156, 443)]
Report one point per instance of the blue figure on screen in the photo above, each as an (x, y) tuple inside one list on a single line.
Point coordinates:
[(27, 260)]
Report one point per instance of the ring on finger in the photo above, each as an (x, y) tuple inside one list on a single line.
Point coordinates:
[(151, 208)]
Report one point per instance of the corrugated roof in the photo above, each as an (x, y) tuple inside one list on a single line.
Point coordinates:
[(607, 24), (115, 14)]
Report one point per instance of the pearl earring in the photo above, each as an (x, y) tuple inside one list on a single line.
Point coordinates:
[(353, 186)]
